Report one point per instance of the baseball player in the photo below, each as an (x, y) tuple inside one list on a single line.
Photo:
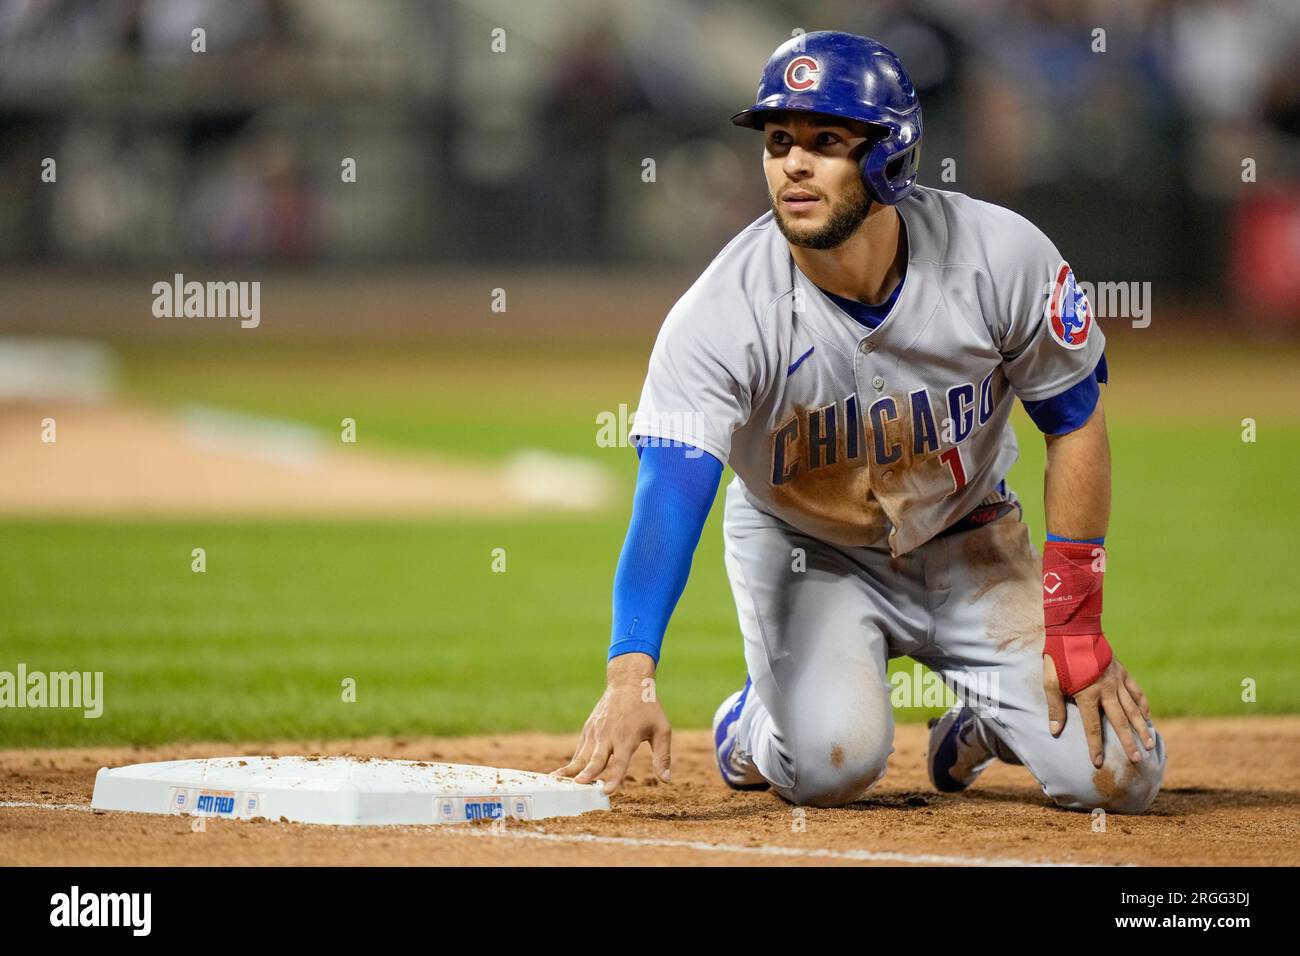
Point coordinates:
[(854, 355)]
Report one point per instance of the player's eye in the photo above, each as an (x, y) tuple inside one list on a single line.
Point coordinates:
[(827, 139)]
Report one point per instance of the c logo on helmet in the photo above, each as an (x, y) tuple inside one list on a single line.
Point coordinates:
[(802, 73), (1069, 316)]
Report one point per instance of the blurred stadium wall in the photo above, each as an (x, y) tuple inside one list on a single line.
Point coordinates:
[(1130, 152)]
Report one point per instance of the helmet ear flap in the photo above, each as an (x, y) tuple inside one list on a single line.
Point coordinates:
[(863, 160), (902, 170), (890, 167), (904, 164), (867, 158)]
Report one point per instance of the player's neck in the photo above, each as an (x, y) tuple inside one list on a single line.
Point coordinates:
[(866, 266)]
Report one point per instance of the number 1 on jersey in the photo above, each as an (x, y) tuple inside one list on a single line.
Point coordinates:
[(952, 458)]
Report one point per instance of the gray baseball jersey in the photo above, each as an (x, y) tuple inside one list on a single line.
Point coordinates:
[(882, 437)]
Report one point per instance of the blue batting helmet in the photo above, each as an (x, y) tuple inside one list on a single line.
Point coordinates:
[(840, 74)]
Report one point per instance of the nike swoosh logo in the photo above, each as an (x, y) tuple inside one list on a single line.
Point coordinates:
[(799, 361)]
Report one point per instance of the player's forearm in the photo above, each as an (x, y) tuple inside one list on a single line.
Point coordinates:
[(1077, 481), (675, 489), (1077, 498)]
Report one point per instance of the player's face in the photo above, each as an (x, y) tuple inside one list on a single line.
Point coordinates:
[(813, 180)]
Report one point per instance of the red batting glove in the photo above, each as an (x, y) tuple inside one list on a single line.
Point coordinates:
[(1072, 613)]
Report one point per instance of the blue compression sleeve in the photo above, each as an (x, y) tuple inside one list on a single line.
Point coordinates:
[(675, 487)]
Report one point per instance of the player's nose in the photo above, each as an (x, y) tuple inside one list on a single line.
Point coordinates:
[(797, 162)]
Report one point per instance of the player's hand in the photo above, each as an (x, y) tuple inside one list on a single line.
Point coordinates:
[(626, 714), (1116, 694)]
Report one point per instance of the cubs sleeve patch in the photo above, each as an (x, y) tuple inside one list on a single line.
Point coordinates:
[(1069, 315)]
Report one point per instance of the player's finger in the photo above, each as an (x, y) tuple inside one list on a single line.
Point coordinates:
[(1055, 699), (599, 758), (580, 755), (616, 769), (1119, 724), (1090, 714), (1135, 717), (660, 751), (1138, 697)]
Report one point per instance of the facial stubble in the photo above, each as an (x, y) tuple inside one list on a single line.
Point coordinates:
[(844, 219)]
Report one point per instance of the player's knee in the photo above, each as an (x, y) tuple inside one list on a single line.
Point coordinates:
[(835, 787), (835, 773), (1118, 786)]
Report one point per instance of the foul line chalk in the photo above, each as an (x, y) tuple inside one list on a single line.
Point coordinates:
[(868, 856), (878, 856)]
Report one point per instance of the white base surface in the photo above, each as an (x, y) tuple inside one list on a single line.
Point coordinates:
[(344, 791)]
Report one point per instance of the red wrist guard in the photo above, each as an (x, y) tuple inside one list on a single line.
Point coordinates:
[(1072, 613)]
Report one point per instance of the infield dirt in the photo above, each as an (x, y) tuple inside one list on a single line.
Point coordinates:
[(1231, 798)]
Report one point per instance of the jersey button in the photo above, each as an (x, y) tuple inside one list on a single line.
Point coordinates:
[(866, 348), (877, 383)]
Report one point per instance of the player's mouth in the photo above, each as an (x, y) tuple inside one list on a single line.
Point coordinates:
[(799, 200)]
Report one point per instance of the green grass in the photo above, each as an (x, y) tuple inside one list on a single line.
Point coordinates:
[(258, 645), (1199, 594), (1200, 590), (481, 399)]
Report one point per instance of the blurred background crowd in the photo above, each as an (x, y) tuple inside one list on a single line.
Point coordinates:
[(1128, 147)]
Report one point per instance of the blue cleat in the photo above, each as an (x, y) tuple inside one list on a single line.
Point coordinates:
[(957, 753), (738, 770)]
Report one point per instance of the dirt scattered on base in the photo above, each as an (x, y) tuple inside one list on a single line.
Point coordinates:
[(1231, 797)]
